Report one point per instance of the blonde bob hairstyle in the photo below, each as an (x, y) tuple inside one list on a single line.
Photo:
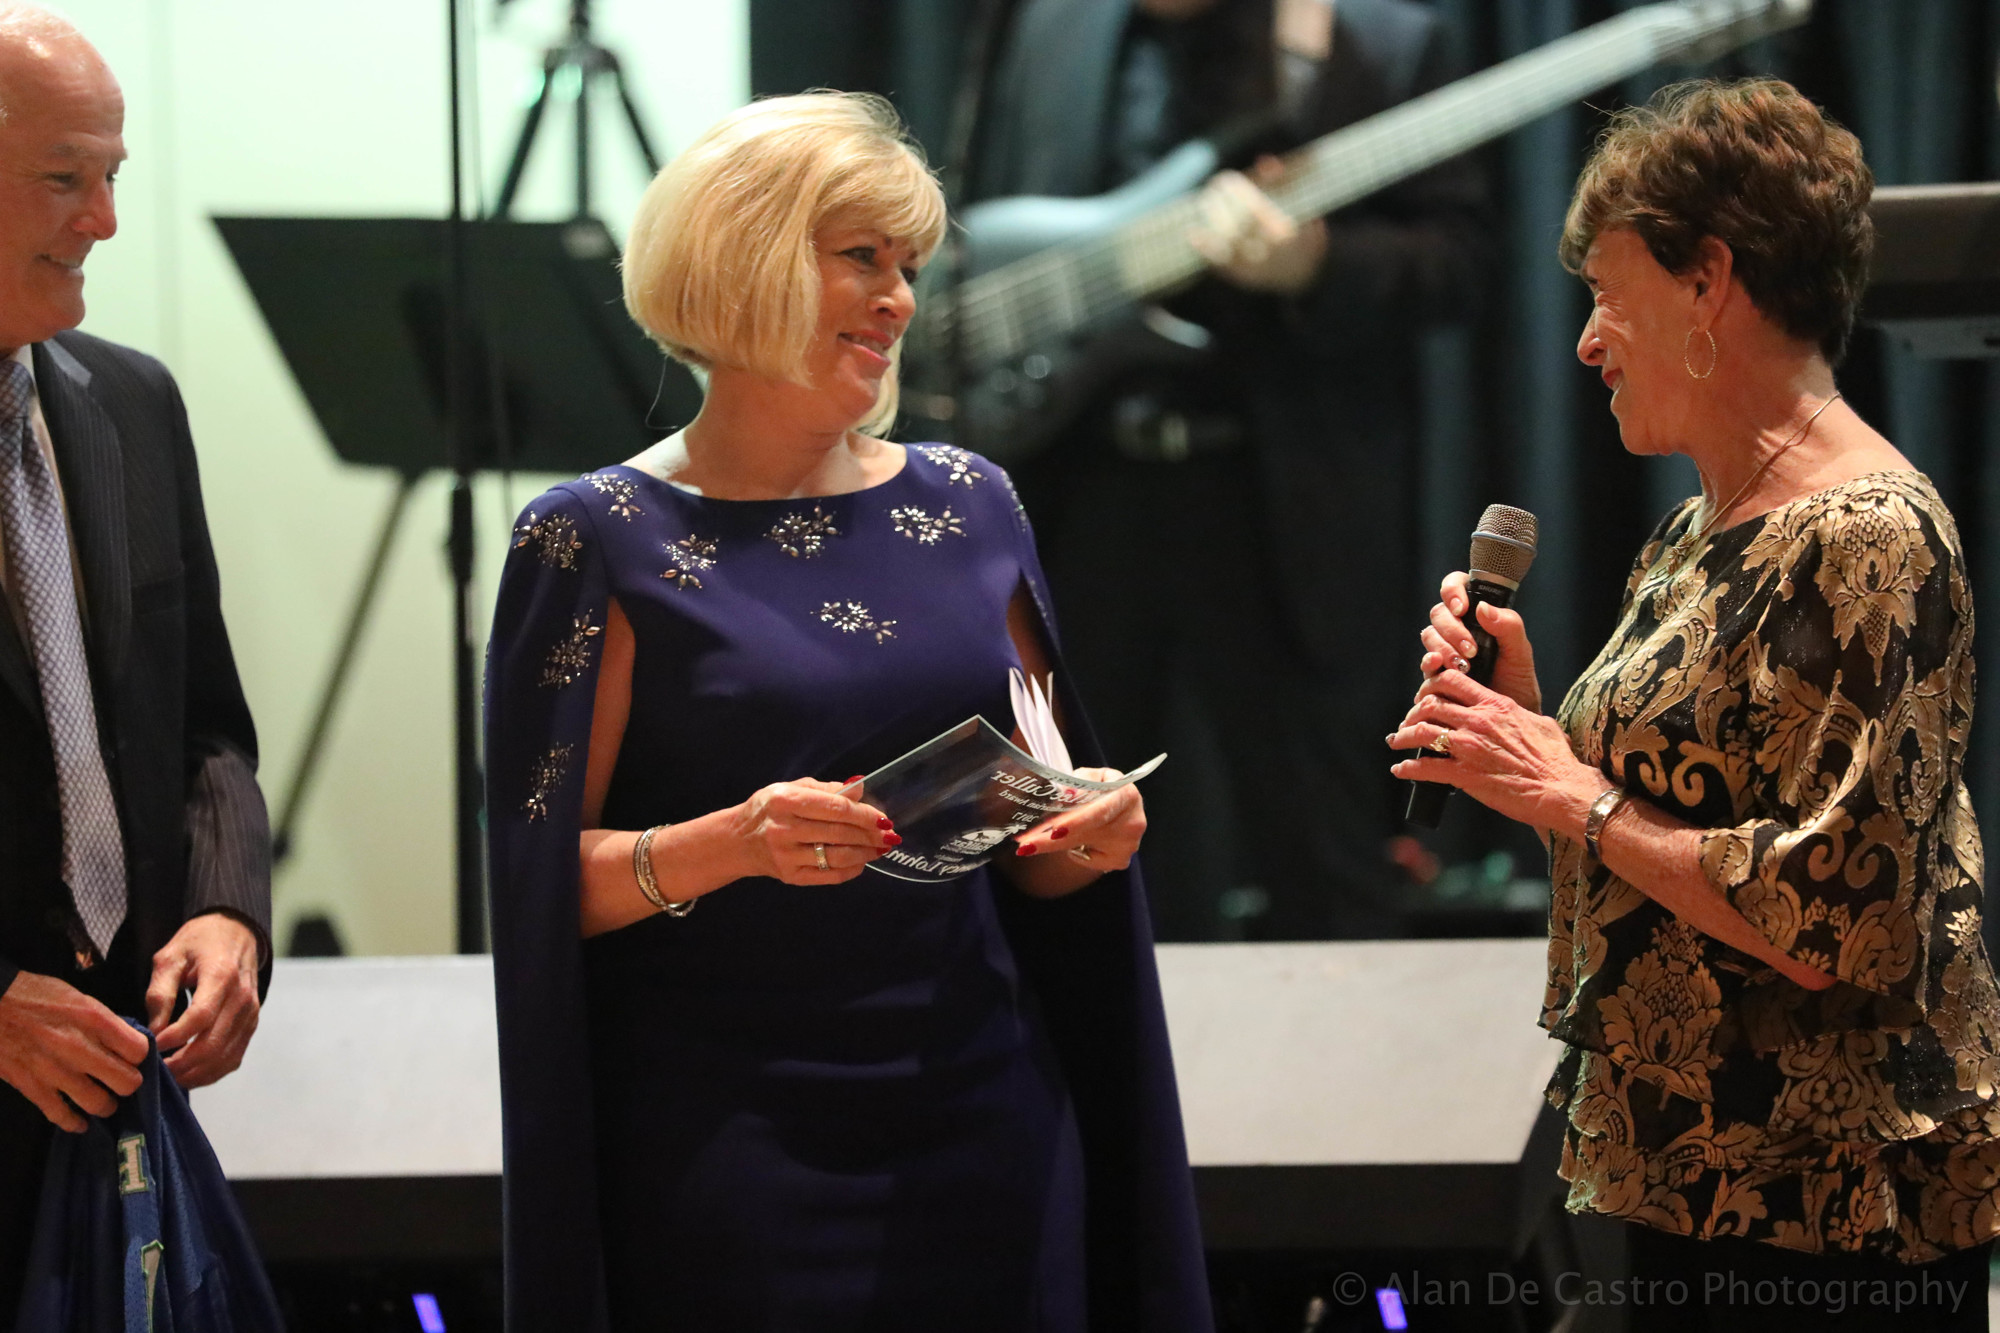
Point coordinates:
[(720, 265)]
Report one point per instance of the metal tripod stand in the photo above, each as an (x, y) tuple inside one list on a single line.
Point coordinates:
[(578, 51), (591, 61)]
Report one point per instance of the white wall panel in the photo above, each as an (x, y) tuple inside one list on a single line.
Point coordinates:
[(287, 107)]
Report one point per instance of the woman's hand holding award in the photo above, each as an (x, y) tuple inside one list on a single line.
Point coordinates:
[(956, 798)]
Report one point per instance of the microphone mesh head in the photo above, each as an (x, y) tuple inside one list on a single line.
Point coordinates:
[(1503, 544)]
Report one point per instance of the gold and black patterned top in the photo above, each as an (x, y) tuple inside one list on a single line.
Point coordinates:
[(1801, 687)]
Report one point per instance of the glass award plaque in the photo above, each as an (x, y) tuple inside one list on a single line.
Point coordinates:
[(960, 795)]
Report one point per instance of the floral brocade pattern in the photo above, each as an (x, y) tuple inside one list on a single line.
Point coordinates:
[(1800, 689)]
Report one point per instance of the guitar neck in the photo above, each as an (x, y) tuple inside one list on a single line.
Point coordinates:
[(1351, 164), (1072, 286)]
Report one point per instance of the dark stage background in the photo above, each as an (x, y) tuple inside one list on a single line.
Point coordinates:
[(1513, 416)]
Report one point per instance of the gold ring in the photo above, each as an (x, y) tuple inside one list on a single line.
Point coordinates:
[(819, 855), (1081, 851), (1441, 744)]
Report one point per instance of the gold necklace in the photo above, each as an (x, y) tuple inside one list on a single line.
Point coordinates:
[(1690, 543), (1763, 467)]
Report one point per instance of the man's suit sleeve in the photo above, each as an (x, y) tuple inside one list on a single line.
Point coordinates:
[(228, 828)]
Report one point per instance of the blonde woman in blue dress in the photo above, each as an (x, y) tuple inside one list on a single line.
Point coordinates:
[(750, 1084)]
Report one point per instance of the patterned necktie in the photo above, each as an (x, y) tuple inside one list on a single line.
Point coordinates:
[(39, 574)]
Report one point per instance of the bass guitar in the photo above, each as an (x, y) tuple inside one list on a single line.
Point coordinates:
[(1053, 296)]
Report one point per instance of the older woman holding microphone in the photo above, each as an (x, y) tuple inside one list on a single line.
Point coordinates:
[(1765, 955)]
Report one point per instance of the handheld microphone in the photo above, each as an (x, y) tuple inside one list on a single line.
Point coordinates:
[(1503, 546)]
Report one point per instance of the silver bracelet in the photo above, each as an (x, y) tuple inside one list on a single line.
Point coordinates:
[(649, 884), (1601, 810)]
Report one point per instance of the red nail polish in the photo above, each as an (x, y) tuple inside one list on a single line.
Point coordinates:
[(1058, 833), (883, 821), (892, 839), (1022, 849), (856, 778)]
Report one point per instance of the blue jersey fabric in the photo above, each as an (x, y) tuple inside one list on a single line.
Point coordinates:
[(138, 1231)]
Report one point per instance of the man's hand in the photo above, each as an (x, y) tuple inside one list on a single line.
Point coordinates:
[(215, 956), (1251, 242), (56, 1042)]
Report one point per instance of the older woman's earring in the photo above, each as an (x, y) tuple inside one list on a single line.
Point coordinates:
[(1713, 353)]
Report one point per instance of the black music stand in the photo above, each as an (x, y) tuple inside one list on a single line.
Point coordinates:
[(559, 377)]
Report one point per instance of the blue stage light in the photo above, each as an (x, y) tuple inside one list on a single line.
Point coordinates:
[(431, 1319), (1391, 1303)]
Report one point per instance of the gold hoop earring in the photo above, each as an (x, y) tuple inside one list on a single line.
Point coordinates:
[(1713, 354)]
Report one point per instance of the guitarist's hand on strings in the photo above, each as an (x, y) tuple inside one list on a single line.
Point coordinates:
[(1250, 240)]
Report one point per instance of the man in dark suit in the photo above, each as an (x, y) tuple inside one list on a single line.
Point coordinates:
[(134, 846), (1227, 537)]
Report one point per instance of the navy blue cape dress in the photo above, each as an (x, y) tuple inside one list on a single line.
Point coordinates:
[(877, 1105)]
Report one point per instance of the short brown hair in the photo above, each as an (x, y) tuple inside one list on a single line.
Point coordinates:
[(719, 262), (1757, 166)]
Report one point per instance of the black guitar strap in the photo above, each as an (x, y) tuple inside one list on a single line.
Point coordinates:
[(982, 54), (1280, 126)]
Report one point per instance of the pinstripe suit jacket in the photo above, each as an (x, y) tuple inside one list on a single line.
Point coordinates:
[(175, 729)]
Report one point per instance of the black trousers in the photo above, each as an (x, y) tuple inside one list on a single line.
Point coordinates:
[(25, 1134), (24, 1147), (1174, 625), (1730, 1284)]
